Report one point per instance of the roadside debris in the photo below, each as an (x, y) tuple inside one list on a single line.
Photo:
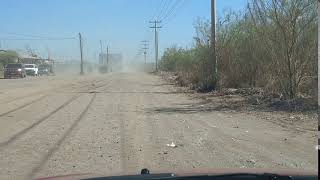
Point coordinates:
[(172, 145), (164, 152)]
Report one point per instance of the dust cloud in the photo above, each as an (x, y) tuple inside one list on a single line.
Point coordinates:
[(95, 69)]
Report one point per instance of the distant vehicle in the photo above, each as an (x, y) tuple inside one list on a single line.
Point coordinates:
[(44, 69), (31, 69), (14, 70)]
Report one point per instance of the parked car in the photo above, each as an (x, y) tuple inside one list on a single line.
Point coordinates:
[(31, 69), (14, 70), (44, 70)]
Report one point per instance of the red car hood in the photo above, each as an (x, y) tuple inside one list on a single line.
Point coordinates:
[(193, 172)]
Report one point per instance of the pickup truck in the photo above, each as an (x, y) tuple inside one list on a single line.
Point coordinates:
[(31, 69)]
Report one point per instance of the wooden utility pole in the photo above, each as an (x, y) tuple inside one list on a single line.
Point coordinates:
[(81, 54), (155, 27), (318, 56), (145, 47), (101, 47), (213, 56), (108, 64)]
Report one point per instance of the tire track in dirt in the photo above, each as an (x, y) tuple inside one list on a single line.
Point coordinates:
[(42, 97), (152, 122), (131, 144), (23, 106), (75, 123), (123, 154), (21, 97), (126, 131), (33, 94), (51, 151), (19, 134)]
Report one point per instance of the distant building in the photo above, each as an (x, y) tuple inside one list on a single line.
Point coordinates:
[(26, 58)]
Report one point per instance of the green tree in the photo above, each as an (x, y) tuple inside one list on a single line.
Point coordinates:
[(8, 57)]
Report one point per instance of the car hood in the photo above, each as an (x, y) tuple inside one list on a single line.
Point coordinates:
[(193, 172)]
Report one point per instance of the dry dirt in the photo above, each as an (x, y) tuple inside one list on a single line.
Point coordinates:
[(122, 122)]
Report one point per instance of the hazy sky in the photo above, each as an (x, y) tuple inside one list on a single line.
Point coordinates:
[(121, 24)]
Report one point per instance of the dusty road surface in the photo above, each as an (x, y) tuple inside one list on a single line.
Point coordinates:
[(122, 122)]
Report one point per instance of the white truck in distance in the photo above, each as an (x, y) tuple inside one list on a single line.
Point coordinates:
[(31, 69)]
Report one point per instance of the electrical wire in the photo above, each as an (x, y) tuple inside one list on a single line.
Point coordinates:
[(157, 11), (164, 9), (184, 2), (36, 39), (171, 10)]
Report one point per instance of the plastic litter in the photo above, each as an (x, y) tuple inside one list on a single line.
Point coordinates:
[(172, 145)]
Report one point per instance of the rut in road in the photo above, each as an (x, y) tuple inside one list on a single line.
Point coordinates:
[(44, 91), (45, 158), (21, 97), (23, 106), (19, 134), (42, 97)]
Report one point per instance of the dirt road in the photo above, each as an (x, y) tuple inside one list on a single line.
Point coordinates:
[(122, 122)]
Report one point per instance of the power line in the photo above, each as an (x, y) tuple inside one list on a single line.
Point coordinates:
[(171, 10), (184, 2), (158, 10), (164, 8), (38, 37), (35, 39)]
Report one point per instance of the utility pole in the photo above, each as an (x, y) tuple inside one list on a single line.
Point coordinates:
[(81, 54), (100, 46), (108, 59), (155, 27), (318, 58), (213, 44), (48, 51), (145, 47)]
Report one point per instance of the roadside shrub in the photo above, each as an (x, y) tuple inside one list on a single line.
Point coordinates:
[(7, 57), (271, 44)]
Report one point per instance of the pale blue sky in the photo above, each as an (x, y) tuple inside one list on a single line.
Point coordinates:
[(121, 24)]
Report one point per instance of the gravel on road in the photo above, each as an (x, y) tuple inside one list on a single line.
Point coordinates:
[(123, 122)]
